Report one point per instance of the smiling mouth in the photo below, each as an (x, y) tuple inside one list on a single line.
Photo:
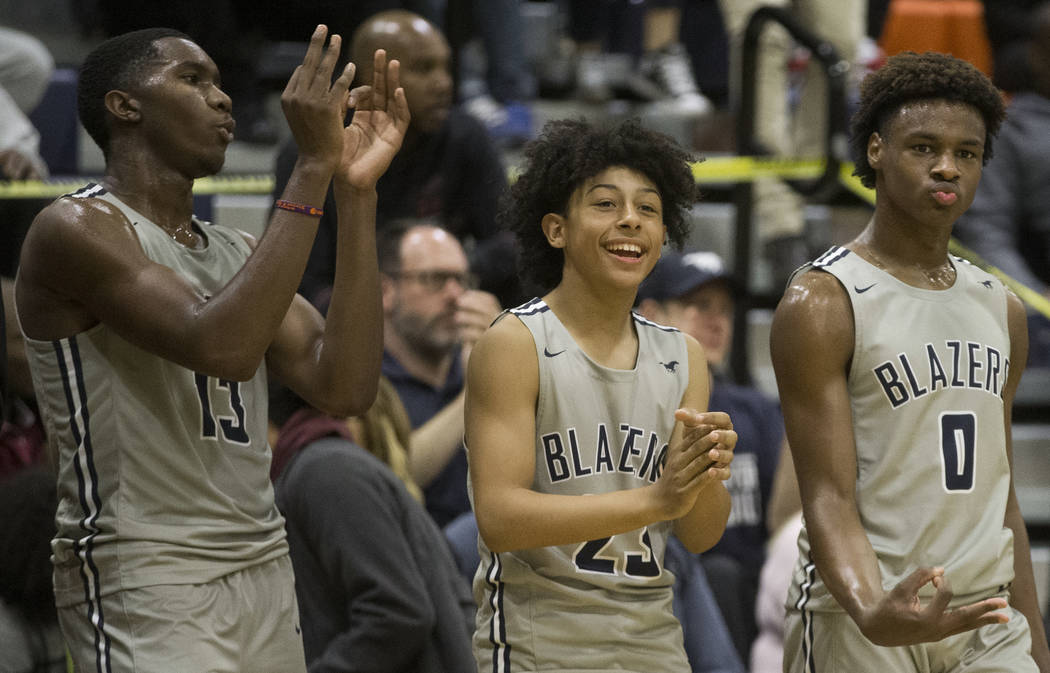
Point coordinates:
[(628, 250)]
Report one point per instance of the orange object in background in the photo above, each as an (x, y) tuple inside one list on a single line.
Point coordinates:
[(953, 27)]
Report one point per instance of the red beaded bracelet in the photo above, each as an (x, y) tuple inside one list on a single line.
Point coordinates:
[(298, 208)]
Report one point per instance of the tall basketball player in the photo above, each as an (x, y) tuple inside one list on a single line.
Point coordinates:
[(897, 366)]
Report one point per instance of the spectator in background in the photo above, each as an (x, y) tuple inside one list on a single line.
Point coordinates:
[(25, 70), (376, 584), (693, 292), (448, 167), (432, 316), (30, 639), (1009, 222), (500, 93), (631, 49), (1010, 28), (779, 210)]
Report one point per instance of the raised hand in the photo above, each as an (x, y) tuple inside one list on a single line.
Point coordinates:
[(315, 106), (380, 120), (900, 618)]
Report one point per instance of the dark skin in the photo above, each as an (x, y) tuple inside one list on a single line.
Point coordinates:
[(928, 164), (426, 64), (82, 263)]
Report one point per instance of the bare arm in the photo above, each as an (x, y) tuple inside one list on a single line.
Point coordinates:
[(334, 364), (82, 263), (784, 500), (1022, 591), (500, 429), (703, 525), (811, 344)]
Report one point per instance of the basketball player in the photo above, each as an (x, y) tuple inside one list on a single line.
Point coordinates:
[(897, 366), (585, 429), (150, 334)]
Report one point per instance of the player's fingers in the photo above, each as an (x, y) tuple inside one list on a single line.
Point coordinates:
[(361, 98), (312, 59), (976, 615), (341, 87), (323, 77), (379, 75), (717, 418), (910, 585), (402, 115)]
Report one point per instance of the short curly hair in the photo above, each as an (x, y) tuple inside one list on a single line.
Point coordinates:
[(114, 64), (569, 152), (908, 77)]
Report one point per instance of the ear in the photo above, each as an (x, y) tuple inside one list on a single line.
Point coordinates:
[(554, 229), (875, 148), (121, 105)]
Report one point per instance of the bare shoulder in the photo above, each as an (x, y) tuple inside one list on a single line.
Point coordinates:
[(68, 222), (506, 345), (71, 245), (814, 315)]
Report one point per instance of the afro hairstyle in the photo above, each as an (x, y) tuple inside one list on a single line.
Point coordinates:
[(565, 155)]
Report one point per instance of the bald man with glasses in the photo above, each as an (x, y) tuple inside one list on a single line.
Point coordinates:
[(432, 316)]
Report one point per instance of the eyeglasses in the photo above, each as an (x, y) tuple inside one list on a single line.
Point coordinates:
[(435, 281)]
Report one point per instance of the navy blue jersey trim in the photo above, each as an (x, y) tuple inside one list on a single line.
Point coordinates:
[(71, 369), (88, 191), (498, 623), (645, 321), (531, 307), (834, 254), (810, 576)]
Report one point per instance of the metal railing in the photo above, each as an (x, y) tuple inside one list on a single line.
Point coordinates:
[(835, 69)]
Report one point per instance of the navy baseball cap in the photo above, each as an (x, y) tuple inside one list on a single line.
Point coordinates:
[(677, 274)]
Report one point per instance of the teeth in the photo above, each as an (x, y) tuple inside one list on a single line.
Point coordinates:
[(626, 247)]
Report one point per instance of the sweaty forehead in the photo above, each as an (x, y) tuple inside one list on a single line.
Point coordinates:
[(932, 115)]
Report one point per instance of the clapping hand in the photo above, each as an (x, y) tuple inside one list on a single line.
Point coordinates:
[(314, 106), (378, 127)]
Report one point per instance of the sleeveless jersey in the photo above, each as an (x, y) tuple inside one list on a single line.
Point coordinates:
[(604, 604), (163, 473), (925, 386)]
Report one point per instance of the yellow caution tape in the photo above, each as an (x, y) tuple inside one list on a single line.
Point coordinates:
[(713, 170), (1029, 296), (56, 187)]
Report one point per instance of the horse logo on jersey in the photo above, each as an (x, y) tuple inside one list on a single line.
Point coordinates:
[(670, 366)]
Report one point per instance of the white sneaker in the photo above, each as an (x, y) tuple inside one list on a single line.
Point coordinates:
[(671, 69)]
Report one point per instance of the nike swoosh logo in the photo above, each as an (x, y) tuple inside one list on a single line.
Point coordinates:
[(862, 290), (549, 354)]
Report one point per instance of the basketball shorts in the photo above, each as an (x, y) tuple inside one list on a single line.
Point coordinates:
[(245, 621)]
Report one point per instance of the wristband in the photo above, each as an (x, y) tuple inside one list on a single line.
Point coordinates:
[(298, 208)]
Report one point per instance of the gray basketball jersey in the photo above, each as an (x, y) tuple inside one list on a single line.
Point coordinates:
[(925, 385), (163, 473), (603, 604)]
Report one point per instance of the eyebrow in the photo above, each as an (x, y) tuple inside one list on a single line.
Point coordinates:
[(922, 135), (608, 186)]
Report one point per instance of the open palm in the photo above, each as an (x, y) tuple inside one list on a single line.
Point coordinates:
[(378, 127)]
